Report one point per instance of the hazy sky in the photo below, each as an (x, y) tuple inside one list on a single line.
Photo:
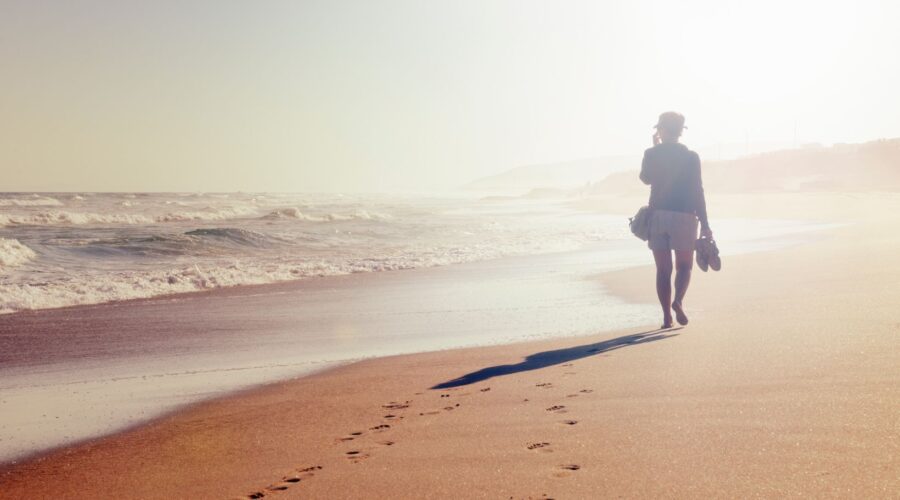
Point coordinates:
[(386, 95)]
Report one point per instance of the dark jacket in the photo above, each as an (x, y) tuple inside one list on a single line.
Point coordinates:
[(673, 172)]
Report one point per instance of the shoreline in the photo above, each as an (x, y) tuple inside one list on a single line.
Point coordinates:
[(200, 344), (287, 370), (630, 283), (734, 207)]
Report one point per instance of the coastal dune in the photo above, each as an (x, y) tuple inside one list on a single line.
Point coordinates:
[(785, 383)]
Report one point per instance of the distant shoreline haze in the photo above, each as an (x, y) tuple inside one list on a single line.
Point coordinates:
[(866, 166)]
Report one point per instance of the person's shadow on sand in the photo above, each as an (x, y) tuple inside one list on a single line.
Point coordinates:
[(549, 358)]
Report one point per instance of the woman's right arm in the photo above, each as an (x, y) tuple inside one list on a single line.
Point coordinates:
[(645, 170)]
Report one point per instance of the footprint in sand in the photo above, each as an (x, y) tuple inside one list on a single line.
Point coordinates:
[(356, 456), (571, 395), (545, 385), (435, 412), (485, 389), (445, 395), (380, 428), (566, 470), (557, 409), (386, 443), (351, 437), (393, 405), (569, 422), (586, 391), (535, 446), (287, 481)]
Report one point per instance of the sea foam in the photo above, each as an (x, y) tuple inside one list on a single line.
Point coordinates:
[(296, 213), (55, 217), (33, 201), (13, 253), (63, 217)]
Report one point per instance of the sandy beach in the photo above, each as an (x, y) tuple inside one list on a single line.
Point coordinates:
[(785, 383)]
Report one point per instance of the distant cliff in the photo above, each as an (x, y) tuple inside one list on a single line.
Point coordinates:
[(871, 166), (553, 176)]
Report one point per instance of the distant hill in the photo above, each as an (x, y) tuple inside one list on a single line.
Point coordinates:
[(552, 176), (870, 166)]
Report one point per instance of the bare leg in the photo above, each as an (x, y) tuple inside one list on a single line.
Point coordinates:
[(684, 262), (663, 260)]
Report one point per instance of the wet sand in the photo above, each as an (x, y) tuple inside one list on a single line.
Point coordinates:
[(76, 373), (784, 383)]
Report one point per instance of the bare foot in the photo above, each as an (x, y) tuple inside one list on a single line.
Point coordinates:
[(679, 314), (667, 322)]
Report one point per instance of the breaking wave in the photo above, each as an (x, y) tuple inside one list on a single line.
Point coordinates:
[(116, 286), (296, 213), (33, 201), (133, 285), (208, 214), (13, 253), (235, 235), (60, 217)]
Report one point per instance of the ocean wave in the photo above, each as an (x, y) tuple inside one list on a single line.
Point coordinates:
[(56, 217), (235, 236), (206, 242), (296, 213), (13, 253), (33, 201), (208, 213), (116, 286), (289, 213), (359, 215), (112, 287), (61, 217)]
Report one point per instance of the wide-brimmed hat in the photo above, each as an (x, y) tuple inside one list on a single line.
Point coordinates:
[(670, 120)]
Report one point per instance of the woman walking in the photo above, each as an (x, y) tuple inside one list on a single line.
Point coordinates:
[(677, 203)]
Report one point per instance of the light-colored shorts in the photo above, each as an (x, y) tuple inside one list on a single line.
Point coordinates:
[(672, 230)]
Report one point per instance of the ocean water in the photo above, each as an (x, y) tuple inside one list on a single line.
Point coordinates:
[(63, 249)]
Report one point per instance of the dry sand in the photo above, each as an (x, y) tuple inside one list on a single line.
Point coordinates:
[(785, 383)]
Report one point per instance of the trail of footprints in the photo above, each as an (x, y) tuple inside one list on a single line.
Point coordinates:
[(287, 481), (395, 407), (393, 415), (562, 470)]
